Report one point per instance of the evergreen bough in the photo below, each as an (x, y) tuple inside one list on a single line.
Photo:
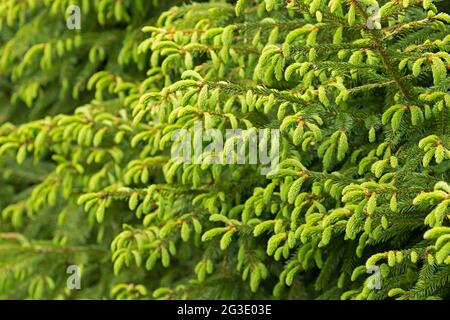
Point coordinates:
[(362, 103)]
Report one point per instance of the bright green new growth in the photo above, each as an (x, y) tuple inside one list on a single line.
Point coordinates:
[(364, 114)]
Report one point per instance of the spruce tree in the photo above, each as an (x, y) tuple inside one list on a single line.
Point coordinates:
[(356, 209)]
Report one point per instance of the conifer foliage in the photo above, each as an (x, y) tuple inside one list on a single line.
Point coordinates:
[(357, 208)]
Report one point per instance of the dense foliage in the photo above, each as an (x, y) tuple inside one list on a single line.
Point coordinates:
[(358, 90)]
